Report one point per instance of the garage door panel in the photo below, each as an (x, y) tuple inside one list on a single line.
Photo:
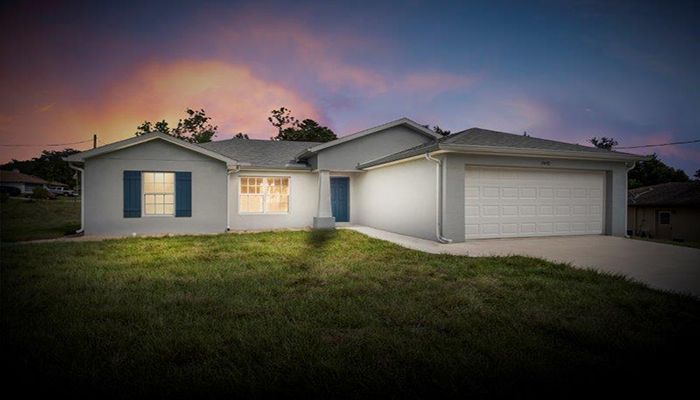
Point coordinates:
[(507, 202)]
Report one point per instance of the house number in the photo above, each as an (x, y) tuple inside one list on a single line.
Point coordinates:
[(545, 162)]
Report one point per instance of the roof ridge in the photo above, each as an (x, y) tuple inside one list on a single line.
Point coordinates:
[(257, 140), (472, 129)]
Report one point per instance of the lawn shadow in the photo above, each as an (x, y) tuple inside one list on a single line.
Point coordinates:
[(319, 238), (313, 252)]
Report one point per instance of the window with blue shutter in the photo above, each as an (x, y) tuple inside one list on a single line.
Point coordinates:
[(132, 194), (183, 194)]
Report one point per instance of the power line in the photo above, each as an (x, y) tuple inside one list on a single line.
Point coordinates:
[(46, 145), (657, 145)]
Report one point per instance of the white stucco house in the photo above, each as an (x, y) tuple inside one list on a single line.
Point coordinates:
[(398, 177)]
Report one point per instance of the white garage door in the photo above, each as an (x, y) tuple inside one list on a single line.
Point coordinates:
[(519, 202)]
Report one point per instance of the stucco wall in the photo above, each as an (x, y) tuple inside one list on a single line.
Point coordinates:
[(398, 198), (104, 190), (303, 202), (346, 156), (454, 172)]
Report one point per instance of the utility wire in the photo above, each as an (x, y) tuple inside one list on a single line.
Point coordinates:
[(657, 145), (47, 145)]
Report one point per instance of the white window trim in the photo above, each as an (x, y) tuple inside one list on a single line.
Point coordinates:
[(264, 212), (143, 196)]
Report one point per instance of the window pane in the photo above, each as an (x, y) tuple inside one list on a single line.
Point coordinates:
[(148, 187), (277, 203), (252, 203), (263, 194), (159, 193)]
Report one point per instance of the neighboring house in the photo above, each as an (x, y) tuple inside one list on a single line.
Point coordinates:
[(666, 211), (25, 183), (399, 177), (53, 185)]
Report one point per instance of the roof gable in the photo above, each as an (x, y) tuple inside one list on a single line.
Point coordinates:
[(137, 140), (403, 121), (484, 141)]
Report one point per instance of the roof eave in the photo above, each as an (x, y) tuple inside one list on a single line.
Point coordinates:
[(507, 151), (528, 152), (126, 143)]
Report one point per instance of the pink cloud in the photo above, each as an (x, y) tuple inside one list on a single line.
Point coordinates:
[(231, 94)]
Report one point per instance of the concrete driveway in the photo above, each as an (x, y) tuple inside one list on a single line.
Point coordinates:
[(661, 266)]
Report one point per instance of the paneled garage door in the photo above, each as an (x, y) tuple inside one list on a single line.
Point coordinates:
[(520, 202)]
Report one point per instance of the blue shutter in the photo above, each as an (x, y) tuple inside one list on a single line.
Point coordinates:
[(183, 194), (132, 194)]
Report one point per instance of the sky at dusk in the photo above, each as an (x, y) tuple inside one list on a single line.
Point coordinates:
[(558, 70)]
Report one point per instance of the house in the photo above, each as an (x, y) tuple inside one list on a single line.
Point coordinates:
[(399, 177), (23, 183), (668, 211)]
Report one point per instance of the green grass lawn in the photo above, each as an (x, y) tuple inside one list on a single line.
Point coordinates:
[(38, 219), (303, 313)]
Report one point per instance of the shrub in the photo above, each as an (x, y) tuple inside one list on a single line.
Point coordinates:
[(41, 193), (4, 197)]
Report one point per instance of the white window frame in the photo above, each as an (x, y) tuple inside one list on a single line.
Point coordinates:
[(264, 201), (143, 195)]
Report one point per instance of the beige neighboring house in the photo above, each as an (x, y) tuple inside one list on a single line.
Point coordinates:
[(25, 183), (668, 211)]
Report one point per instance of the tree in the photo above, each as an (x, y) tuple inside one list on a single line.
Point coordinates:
[(697, 175), (289, 128), (241, 135), (281, 119), (653, 172), (605, 143), (438, 130), (194, 129), (49, 166)]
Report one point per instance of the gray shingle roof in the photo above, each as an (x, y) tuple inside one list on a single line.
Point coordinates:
[(484, 138), (666, 194), (261, 153)]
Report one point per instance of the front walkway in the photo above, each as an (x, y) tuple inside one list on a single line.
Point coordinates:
[(662, 266)]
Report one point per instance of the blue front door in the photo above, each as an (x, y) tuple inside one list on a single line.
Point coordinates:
[(340, 199)]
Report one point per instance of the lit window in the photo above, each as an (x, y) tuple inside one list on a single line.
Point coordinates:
[(268, 195), (159, 193)]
